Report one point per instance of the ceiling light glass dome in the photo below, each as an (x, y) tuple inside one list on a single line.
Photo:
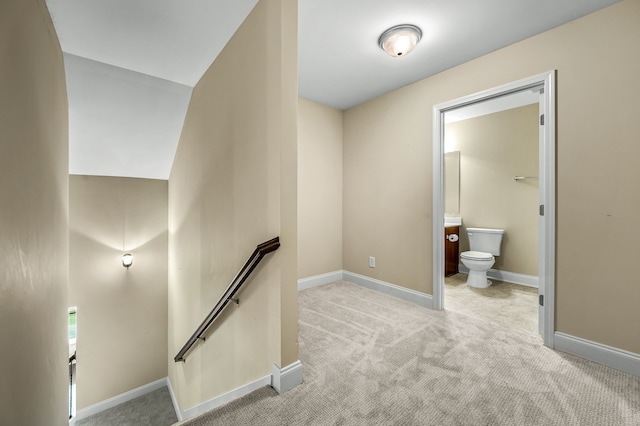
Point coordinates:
[(400, 40)]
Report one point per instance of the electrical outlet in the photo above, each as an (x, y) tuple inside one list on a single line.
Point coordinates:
[(372, 262)]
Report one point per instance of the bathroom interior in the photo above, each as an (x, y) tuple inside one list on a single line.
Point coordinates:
[(491, 183)]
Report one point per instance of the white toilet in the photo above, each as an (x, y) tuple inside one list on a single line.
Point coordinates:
[(484, 244)]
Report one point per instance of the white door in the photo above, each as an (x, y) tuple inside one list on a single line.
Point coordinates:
[(541, 225)]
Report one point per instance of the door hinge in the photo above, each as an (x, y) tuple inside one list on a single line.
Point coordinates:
[(542, 120), (541, 209), (541, 300)]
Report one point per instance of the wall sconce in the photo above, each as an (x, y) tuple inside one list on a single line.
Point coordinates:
[(400, 40), (127, 260)]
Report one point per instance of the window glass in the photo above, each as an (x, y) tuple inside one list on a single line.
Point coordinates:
[(72, 324)]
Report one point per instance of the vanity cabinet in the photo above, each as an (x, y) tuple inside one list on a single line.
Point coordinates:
[(451, 250)]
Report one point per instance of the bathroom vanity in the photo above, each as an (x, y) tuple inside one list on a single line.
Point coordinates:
[(451, 250)]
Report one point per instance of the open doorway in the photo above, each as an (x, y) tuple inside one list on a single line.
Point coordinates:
[(491, 183), (543, 85)]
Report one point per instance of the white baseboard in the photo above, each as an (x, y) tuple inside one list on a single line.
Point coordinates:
[(619, 359), (287, 378), (226, 398), (316, 280), (119, 399), (413, 296), (174, 401), (506, 276), (281, 380), (422, 299)]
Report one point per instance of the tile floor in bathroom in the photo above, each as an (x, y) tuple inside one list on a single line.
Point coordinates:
[(508, 305)]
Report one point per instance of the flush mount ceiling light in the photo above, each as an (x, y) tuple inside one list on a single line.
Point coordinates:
[(400, 40)]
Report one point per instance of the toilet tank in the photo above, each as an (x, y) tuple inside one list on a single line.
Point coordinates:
[(485, 239)]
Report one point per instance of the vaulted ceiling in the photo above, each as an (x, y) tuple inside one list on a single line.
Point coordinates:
[(131, 64)]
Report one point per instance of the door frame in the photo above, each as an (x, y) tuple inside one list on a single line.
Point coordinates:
[(547, 194)]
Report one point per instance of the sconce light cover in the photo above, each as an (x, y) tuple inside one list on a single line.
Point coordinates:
[(127, 260), (400, 40)]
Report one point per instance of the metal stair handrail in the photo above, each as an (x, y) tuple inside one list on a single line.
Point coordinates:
[(253, 261)]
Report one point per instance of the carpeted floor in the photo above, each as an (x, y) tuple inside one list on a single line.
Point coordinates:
[(152, 409), (371, 359), (509, 305)]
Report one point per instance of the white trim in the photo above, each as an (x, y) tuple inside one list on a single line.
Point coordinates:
[(316, 280), (174, 401), (438, 209), (287, 378), (546, 258), (226, 398), (119, 399), (547, 261), (422, 299), (506, 276), (619, 359), (413, 296)]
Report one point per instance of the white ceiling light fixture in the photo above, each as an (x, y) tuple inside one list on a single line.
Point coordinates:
[(400, 40), (127, 260)]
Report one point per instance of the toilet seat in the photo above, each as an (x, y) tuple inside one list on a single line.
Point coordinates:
[(476, 255)]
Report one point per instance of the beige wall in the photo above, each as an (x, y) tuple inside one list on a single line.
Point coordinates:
[(493, 149), (452, 183), (387, 170), (233, 186), (122, 313), (387, 189), (34, 196), (319, 189)]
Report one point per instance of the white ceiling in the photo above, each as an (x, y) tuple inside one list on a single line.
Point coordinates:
[(114, 130), (121, 122), (168, 39)]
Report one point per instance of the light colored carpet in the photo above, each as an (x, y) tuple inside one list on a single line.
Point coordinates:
[(371, 359), (508, 305)]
